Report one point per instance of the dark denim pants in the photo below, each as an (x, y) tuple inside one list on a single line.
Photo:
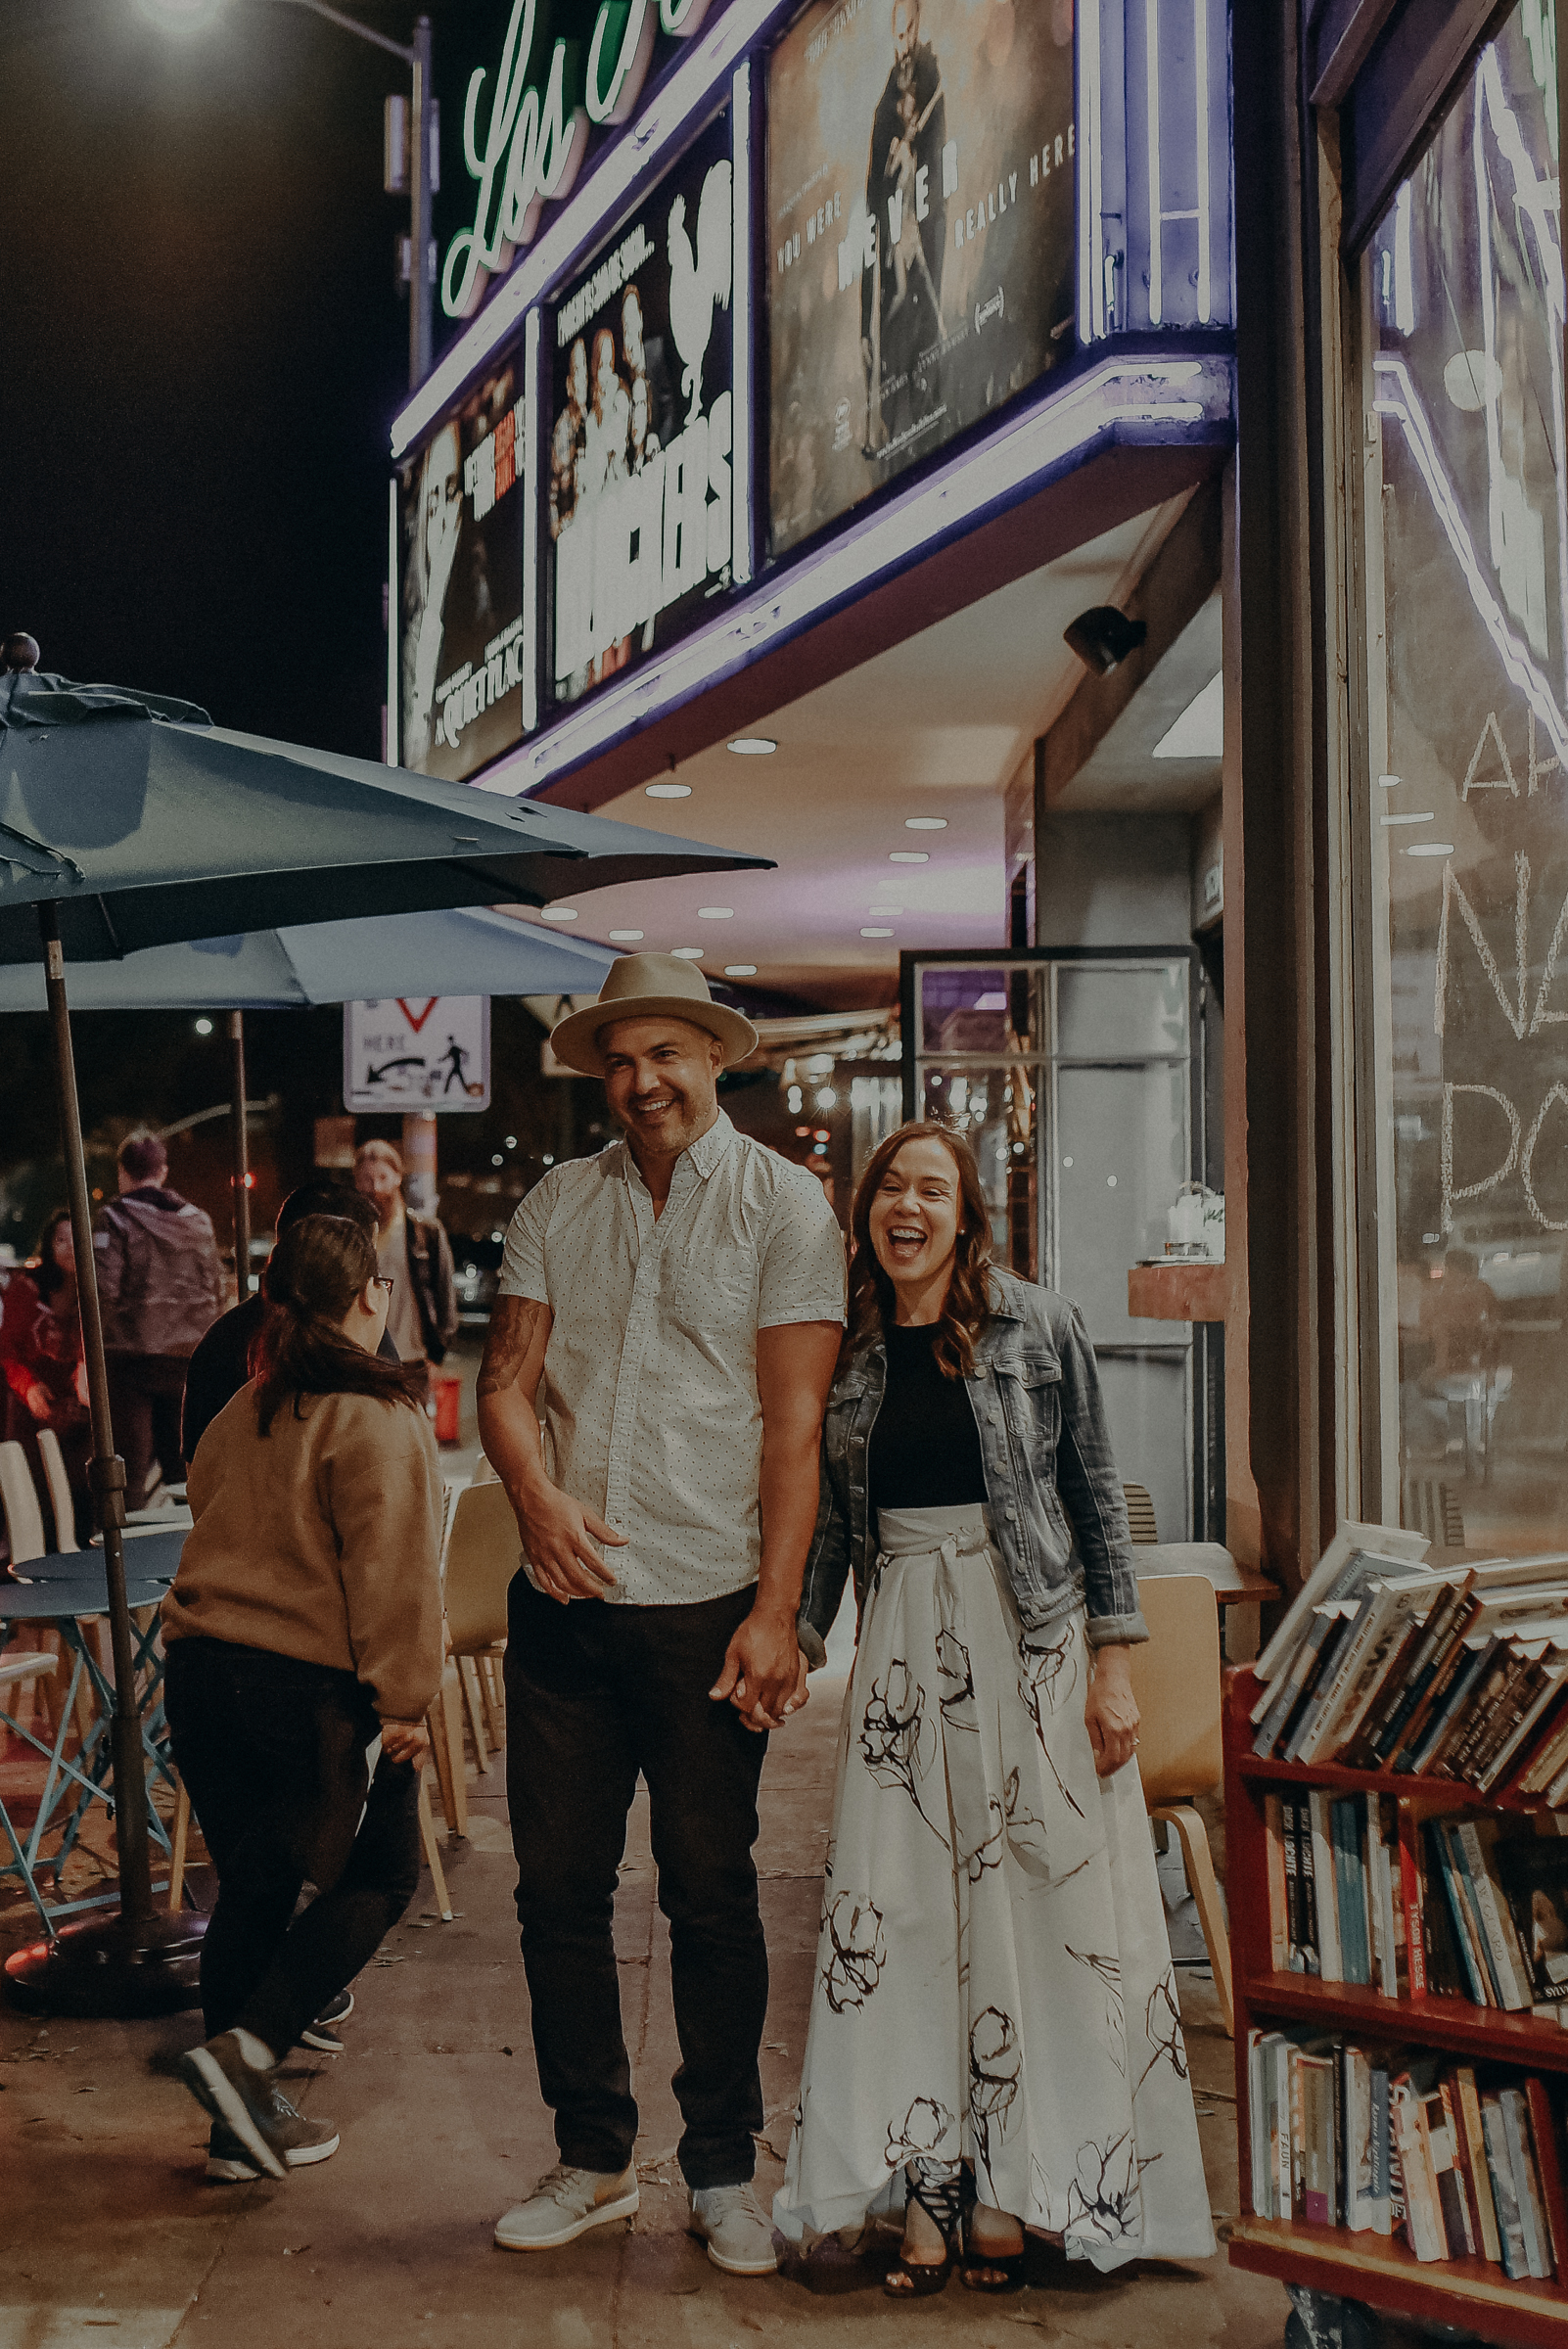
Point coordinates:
[(596, 1694), (272, 1752)]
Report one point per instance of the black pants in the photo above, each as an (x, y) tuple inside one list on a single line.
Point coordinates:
[(145, 1394), (596, 1693), (272, 1752)]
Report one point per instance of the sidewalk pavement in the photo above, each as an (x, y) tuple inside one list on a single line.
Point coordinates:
[(111, 2235)]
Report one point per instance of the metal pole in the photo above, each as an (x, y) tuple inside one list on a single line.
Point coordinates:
[(242, 1164), (420, 289), (106, 1472)]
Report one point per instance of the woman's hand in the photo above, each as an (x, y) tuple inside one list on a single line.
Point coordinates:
[(405, 1740), (1112, 1713), (39, 1402)]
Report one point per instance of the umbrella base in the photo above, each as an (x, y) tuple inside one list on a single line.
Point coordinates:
[(107, 1967)]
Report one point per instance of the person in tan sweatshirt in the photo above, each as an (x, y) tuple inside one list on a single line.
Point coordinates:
[(305, 1621)]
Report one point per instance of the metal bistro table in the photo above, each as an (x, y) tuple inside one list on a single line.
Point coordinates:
[(65, 1590)]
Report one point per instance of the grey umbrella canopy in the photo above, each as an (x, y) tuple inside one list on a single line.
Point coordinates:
[(145, 825), (129, 821)]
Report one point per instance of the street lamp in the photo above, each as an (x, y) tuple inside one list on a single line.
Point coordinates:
[(421, 163)]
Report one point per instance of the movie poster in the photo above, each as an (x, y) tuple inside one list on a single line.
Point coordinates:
[(461, 512), (920, 168), (639, 452)]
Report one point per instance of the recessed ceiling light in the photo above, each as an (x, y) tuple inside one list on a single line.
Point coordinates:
[(557, 913), (740, 970), (688, 953), (625, 938), (716, 913), (909, 856), (873, 932), (752, 745), (1200, 731), (925, 823), (667, 791)]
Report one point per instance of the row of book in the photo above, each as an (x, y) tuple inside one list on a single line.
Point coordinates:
[(1399, 2143), (1386, 1663), (1363, 1890)]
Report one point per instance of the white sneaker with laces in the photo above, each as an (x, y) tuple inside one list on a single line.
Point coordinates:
[(730, 2221), (565, 2205)]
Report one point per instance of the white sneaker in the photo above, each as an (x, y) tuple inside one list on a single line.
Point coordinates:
[(565, 2205), (729, 2220)]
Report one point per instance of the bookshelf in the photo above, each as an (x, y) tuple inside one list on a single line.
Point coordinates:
[(1381, 2271)]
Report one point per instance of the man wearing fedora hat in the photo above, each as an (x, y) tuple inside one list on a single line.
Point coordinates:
[(671, 1311)]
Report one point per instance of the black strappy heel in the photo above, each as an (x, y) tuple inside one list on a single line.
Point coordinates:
[(946, 2203)]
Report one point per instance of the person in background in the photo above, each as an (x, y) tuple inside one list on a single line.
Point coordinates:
[(41, 1361), (161, 1285), (415, 1253), (305, 1620), (222, 1363), (996, 2039)]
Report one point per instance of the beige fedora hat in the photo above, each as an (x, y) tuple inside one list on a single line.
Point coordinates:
[(649, 987)]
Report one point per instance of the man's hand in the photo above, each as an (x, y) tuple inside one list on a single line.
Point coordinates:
[(765, 1671), (405, 1740), (558, 1535), (39, 1401)]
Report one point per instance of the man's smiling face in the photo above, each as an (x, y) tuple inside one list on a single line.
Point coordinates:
[(661, 1080)]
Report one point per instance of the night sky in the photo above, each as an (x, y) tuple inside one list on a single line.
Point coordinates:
[(203, 347)]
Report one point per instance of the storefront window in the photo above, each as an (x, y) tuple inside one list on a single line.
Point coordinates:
[(1466, 580)]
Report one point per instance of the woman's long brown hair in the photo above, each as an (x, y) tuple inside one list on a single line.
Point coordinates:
[(967, 1307), (318, 1268)]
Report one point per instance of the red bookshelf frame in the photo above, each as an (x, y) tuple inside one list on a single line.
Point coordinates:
[(1464, 2292)]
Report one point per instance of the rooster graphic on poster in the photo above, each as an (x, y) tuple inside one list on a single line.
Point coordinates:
[(698, 281)]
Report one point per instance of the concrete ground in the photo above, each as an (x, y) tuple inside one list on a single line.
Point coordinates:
[(110, 2234)]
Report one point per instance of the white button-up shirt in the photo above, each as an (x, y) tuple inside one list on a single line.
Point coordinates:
[(649, 1396)]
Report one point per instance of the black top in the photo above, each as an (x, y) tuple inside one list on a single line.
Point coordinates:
[(924, 1447), (221, 1366)]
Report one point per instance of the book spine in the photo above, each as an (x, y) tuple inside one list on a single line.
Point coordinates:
[(1507, 1725), (1515, 1991), (1283, 2152), (1447, 1614), (1526, 2185), (1422, 2218), (1451, 2179), (1295, 1902), (1325, 1889), (1476, 1975), (1411, 1904), (1500, 2173), (1279, 1903), (1549, 2169), (1315, 1695), (1441, 1719), (1361, 1753), (1447, 1665), (1473, 2145), (1382, 2154), (1298, 2136), (1384, 1827), (1320, 1731), (1309, 1889), (1525, 1742)]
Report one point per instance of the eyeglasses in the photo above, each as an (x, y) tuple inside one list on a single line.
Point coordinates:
[(383, 1281)]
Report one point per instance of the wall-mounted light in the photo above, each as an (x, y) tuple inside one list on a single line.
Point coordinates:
[(688, 953), (925, 823), (1103, 637), (204, 1026), (752, 745), (740, 970), (557, 913), (624, 937), (667, 791)]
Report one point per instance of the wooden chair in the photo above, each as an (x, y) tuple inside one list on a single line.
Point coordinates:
[(1141, 1513), (1175, 1679), (61, 1501), (479, 1559)]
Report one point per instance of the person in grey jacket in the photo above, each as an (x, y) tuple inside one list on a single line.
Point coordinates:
[(995, 2040), (161, 1286)]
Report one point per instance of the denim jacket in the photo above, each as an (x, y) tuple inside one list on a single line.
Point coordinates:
[(1057, 1513)]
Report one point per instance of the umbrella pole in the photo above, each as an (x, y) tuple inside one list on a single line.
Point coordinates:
[(242, 1164), (133, 1962)]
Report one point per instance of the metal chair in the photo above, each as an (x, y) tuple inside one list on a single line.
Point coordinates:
[(19, 1669), (1176, 1679)]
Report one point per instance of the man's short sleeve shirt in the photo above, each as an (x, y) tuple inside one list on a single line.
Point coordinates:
[(648, 1397)]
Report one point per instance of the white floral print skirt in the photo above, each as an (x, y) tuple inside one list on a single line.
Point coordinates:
[(994, 1974)]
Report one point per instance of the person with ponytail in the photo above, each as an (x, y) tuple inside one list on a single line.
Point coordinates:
[(304, 1622), (994, 2041)]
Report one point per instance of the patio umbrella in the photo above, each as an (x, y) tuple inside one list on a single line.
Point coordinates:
[(452, 953), (127, 821)]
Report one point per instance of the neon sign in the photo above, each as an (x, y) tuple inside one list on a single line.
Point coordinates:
[(533, 143)]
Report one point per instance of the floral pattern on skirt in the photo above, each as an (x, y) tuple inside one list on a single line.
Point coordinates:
[(993, 1973)]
